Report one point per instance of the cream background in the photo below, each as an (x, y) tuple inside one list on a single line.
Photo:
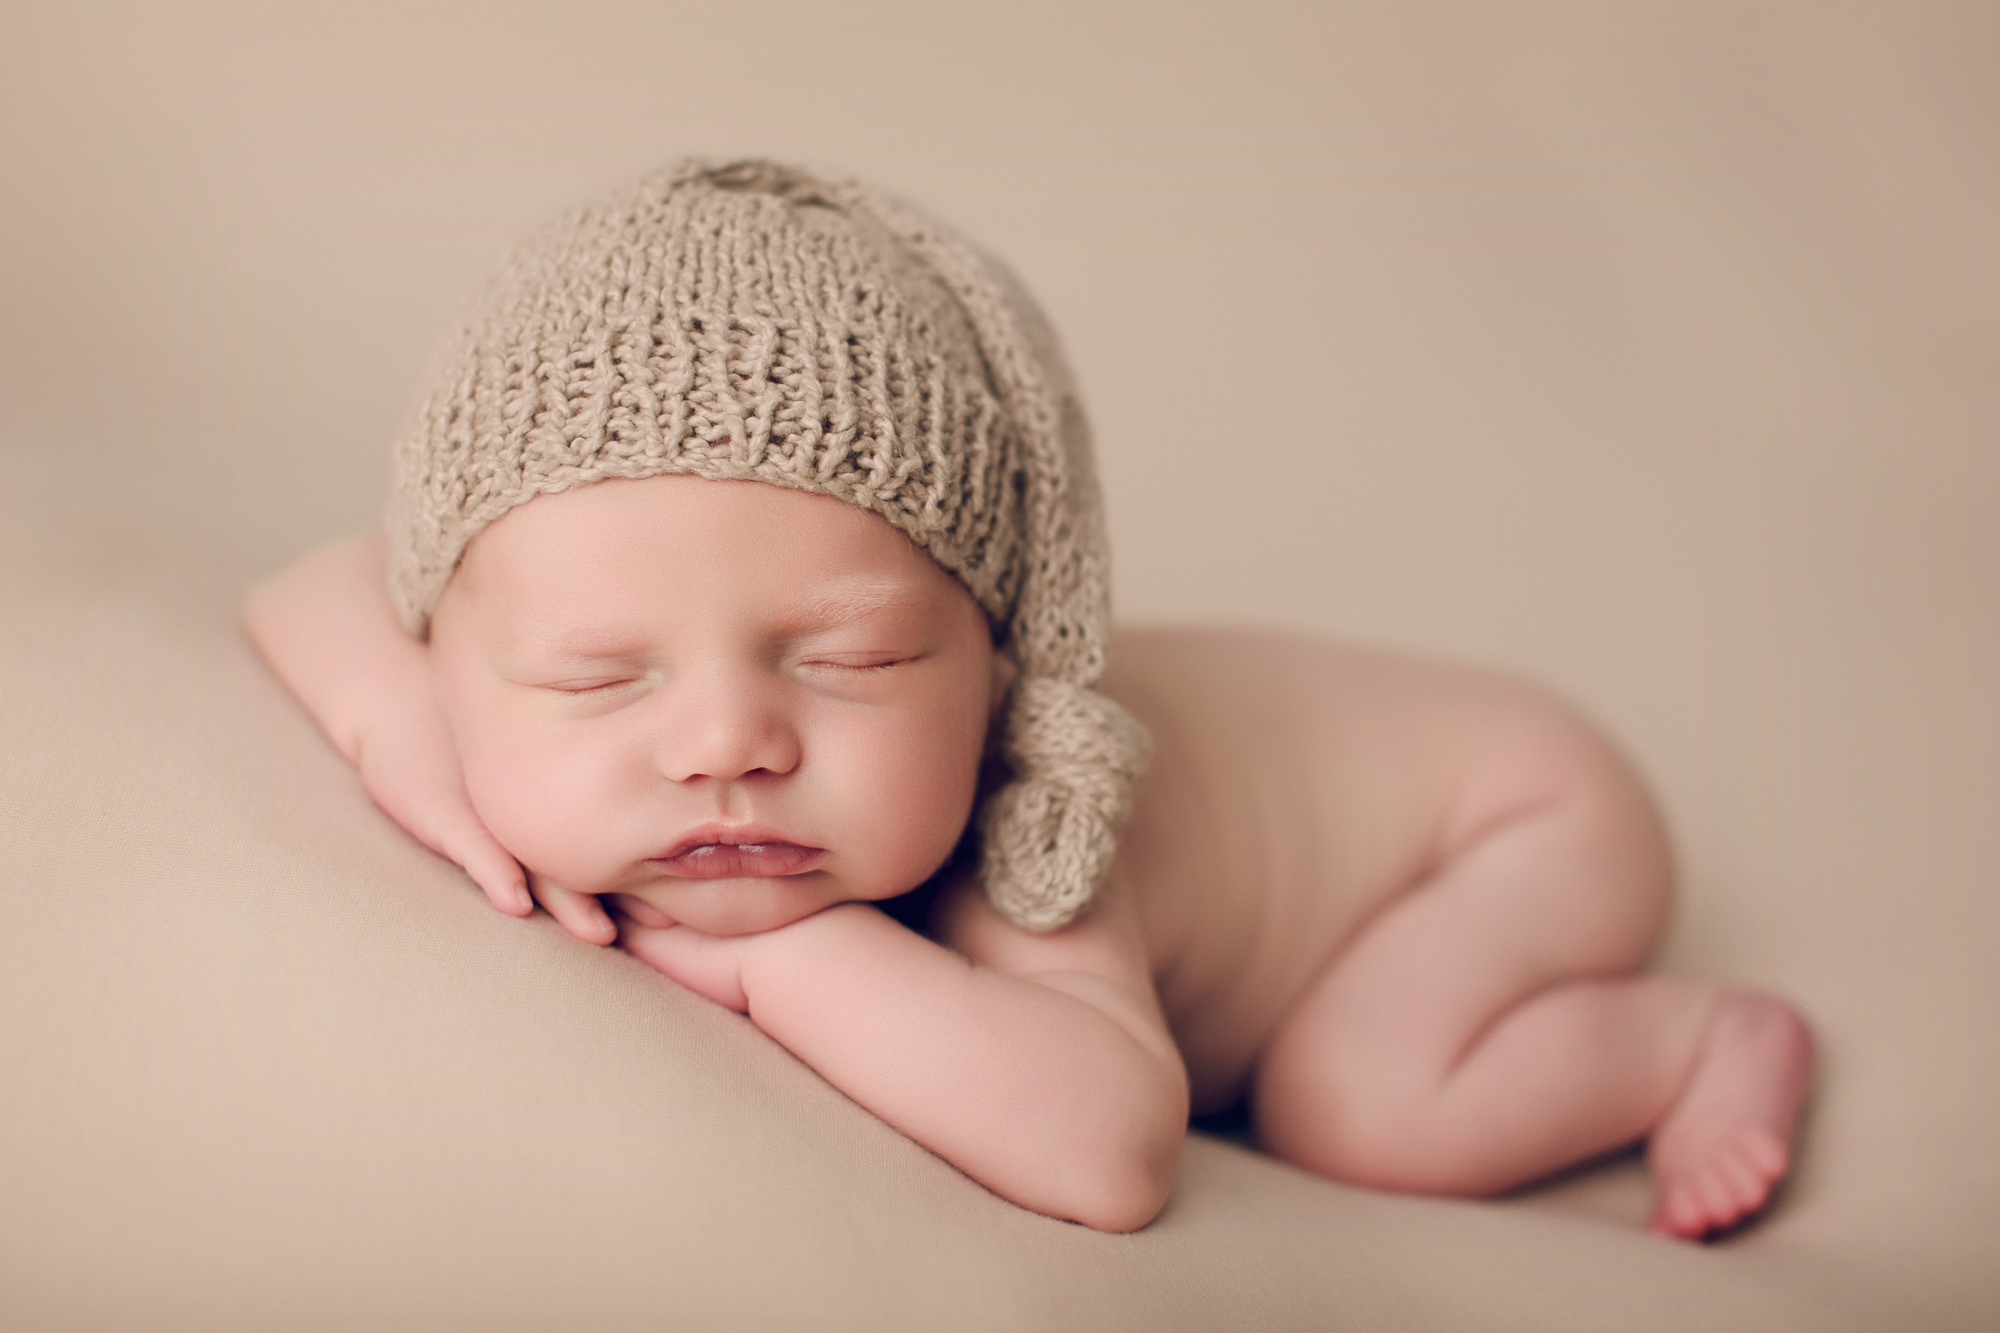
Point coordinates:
[(1652, 352)]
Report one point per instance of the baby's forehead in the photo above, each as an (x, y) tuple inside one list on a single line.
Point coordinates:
[(693, 544)]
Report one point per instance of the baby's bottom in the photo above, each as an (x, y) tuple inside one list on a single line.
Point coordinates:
[(1486, 1028)]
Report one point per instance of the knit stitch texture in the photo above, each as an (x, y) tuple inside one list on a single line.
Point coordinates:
[(746, 320)]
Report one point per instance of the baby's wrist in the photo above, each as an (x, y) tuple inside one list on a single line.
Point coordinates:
[(844, 928)]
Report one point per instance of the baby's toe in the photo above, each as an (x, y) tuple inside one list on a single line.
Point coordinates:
[(1679, 1213), (1718, 1198), (1766, 1153), (1745, 1186)]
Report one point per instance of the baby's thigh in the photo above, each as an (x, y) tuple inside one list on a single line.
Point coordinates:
[(1545, 844), (1547, 862), (1304, 792), (1415, 768)]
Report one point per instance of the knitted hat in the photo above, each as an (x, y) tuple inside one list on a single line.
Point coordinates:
[(749, 321)]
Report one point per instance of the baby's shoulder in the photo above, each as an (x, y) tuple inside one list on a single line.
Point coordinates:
[(1105, 941)]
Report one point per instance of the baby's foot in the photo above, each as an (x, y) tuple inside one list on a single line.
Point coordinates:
[(1728, 1138)]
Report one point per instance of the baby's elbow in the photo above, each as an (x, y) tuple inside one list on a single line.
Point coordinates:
[(1125, 1197), (1121, 1182)]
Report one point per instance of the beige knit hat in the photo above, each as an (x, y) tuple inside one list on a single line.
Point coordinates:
[(747, 320)]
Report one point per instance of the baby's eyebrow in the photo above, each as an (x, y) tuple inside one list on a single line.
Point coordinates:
[(826, 609), (837, 606), (553, 637), (581, 648)]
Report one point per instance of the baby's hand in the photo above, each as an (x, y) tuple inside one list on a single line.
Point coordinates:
[(409, 765), (328, 629), (411, 770), (709, 965)]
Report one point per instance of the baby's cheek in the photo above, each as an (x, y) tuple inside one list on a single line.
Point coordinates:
[(536, 815), (921, 792)]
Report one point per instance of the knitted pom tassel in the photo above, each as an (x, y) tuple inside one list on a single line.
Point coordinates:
[(1048, 836)]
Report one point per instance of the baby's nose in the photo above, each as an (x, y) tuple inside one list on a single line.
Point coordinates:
[(726, 725)]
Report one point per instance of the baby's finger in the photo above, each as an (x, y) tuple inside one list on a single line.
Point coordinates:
[(705, 964), (641, 911), (577, 913), (492, 868)]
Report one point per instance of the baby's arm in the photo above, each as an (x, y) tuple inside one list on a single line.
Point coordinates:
[(328, 629), (1039, 1065)]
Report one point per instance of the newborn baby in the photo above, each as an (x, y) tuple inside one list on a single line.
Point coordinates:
[(743, 602)]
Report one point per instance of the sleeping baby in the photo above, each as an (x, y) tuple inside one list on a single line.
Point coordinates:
[(744, 603)]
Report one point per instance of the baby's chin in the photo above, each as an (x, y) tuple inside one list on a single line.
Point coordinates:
[(746, 906)]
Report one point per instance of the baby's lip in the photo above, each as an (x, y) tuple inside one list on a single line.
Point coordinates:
[(737, 851)]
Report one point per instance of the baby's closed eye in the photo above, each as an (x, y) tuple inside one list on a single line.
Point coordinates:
[(859, 675), (589, 686), (880, 661)]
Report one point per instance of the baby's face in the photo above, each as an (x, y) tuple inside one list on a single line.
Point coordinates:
[(736, 702)]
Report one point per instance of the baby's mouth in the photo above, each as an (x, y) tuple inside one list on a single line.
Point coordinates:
[(720, 859)]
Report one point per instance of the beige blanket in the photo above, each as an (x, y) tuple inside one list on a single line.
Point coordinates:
[(1651, 353)]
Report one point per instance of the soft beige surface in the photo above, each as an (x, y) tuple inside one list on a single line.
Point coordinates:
[(1652, 354)]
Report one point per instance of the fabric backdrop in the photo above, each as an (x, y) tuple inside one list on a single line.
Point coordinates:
[(1648, 349)]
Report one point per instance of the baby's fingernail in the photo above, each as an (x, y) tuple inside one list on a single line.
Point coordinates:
[(523, 899), (599, 922)]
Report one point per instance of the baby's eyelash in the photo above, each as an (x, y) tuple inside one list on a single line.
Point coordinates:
[(595, 687), (861, 666)]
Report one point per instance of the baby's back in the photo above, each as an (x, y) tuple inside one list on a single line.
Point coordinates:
[(1296, 786)]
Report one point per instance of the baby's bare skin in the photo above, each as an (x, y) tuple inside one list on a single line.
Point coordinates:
[(1296, 786), (1402, 906)]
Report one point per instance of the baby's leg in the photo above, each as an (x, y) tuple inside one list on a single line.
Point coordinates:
[(1485, 1028)]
